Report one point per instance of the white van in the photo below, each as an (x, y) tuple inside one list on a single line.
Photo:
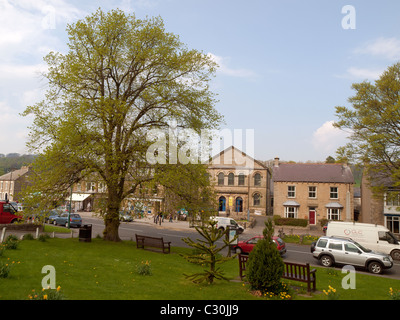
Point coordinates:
[(223, 222), (375, 237)]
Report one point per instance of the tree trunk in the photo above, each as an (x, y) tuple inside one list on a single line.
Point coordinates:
[(111, 219)]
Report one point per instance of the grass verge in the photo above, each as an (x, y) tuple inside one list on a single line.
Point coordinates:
[(107, 270)]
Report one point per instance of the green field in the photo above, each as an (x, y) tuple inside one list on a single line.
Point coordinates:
[(107, 270)]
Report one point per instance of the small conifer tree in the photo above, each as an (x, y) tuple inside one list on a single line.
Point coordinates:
[(207, 253), (265, 266)]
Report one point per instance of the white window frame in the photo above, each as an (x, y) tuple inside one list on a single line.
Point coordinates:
[(289, 192), (333, 192), (291, 212), (314, 192), (334, 214)]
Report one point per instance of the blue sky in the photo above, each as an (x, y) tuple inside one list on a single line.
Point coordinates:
[(284, 64)]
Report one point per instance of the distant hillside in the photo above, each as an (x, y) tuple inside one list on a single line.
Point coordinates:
[(14, 161)]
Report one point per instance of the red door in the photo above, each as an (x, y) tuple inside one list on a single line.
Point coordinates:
[(311, 216)]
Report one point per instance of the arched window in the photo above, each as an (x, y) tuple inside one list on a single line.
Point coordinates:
[(257, 179), (221, 177), (256, 199), (231, 179), (241, 179)]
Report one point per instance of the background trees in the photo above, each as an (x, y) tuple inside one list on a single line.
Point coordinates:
[(374, 124), (121, 77)]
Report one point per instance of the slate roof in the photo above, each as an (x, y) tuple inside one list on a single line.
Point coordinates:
[(312, 172), (14, 175)]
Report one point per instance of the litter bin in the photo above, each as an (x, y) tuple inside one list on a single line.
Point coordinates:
[(85, 233)]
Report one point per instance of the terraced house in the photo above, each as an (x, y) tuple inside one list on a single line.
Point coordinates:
[(313, 191)]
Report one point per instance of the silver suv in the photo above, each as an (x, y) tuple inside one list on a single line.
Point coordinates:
[(331, 250)]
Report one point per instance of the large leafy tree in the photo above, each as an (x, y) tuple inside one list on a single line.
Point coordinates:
[(374, 126), (121, 77)]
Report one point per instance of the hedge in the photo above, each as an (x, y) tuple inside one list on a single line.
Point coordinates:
[(290, 222)]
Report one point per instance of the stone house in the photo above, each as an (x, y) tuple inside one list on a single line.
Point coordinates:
[(241, 183), (383, 208), (12, 183), (313, 191)]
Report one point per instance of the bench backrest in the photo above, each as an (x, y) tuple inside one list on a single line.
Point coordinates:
[(150, 240), (296, 270)]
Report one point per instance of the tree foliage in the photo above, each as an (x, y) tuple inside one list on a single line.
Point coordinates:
[(207, 253), (121, 77), (265, 265), (374, 124)]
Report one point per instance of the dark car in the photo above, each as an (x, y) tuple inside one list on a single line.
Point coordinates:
[(247, 246)]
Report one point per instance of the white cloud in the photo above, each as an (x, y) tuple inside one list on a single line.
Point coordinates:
[(355, 73), (388, 48), (13, 130), (327, 138), (225, 69)]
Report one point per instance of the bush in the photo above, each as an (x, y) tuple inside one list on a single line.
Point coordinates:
[(11, 242), (47, 294), (144, 269), (290, 222), (4, 269), (265, 265)]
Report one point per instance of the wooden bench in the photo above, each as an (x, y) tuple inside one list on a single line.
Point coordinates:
[(302, 273), (292, 271), (142, 241)]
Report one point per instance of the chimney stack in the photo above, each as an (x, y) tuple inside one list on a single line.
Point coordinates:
[(276, 162)]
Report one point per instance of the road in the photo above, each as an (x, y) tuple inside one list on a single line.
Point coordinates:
[(295, 253)]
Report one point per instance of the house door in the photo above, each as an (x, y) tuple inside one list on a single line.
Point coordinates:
[(239, 204), (311, 216), (222, 204)]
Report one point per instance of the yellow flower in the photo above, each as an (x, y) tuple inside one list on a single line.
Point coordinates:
[(45, 296), (58, 288)]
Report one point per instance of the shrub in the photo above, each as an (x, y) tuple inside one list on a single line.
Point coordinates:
[(11, 242), (47, 294), (28, 236), (265, 266), (144, 269), (4, 269)]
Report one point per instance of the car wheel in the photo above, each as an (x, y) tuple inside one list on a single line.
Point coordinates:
[(326, 261), (66, 224), (375, 267), (55, 222), (238, 250), (395, 254)]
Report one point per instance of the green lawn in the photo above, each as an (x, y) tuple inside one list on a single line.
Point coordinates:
[(105, 270)]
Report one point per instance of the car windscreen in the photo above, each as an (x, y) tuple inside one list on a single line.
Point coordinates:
[(361, 247)]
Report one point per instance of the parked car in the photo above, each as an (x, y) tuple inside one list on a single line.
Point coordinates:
[(75, 220), (52, 215), (375, 237), (247, 246), (123, 216), (338, 250)]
